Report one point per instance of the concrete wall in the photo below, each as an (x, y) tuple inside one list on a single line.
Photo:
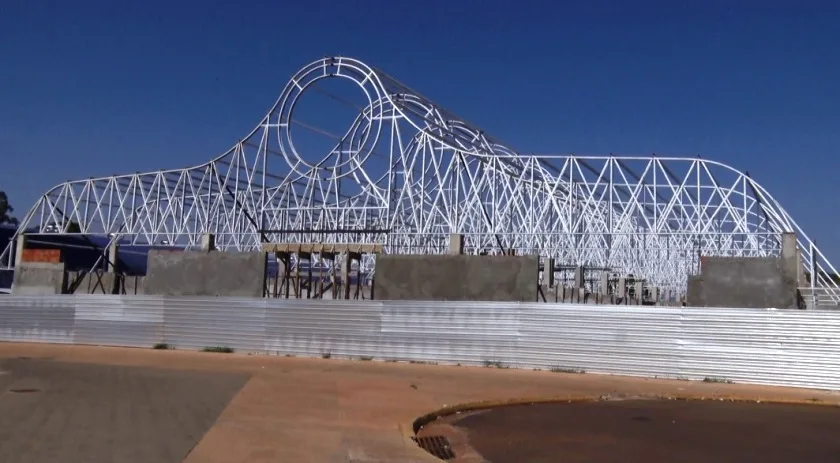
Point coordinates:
[(456, 278), (201, 273), (39, 278), (745, 282)]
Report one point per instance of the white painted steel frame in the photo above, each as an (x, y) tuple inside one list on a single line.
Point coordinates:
[(408, 173)]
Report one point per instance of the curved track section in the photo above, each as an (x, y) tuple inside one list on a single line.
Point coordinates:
[(408, 173)]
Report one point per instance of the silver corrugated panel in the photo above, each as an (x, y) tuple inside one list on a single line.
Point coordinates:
[(116, 321), (37, 319), (200, 322), (451, 332), (792, 348), (629, 340), (316, 328)]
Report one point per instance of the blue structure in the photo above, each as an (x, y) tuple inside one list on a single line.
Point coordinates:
[(81, 253), (6, 275)]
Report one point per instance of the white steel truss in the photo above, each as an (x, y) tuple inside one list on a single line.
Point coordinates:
[(408, 173)]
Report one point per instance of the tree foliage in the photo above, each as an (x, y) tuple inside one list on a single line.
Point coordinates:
[(6, 210), (73, 227)]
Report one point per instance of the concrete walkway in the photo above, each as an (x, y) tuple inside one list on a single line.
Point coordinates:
[(317, 410)]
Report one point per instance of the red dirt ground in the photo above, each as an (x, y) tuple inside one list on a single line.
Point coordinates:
[(645, 431), (290, 409)]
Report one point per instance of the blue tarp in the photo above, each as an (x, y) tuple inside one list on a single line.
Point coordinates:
[(82, 252), (6, 233), (6, 276)]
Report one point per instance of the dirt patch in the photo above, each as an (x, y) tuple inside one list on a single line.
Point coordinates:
[(644, 431), (72, 412)]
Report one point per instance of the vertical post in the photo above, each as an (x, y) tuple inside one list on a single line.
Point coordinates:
[(621, 289), (638, 288), (456, 244), (357, 256), (297, 278), (548, 269), (605, 285), (275, 289), (334, 278), (345, 275), (814, 275), (286, 262), (373, 285), (308, 257), (111, 264), (320, 294), (579, 283), (20, 245), (208, 242)]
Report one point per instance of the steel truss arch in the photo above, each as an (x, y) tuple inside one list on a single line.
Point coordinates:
[(407, 173)]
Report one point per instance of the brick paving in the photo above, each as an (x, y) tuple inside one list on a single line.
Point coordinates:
[(58, 412)]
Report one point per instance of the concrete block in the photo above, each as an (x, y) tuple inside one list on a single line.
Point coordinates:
[(605, 284), (579, 281), (39, 278), (759, 282), (235, 274), (457, 278), (621, 288), (654, 294), (208, 242), (456, 244), (792, 257), (20, 245)]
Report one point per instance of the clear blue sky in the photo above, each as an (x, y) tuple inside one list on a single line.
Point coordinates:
[(92, 88)]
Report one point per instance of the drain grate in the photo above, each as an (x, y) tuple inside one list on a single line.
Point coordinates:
[(436, 445), (24, 391)]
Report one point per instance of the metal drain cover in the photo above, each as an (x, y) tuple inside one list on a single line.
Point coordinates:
[(24, 391), (436, 445)]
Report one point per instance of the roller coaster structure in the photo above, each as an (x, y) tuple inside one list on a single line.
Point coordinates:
[(408, 173)]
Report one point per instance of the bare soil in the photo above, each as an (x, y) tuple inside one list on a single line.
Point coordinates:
[(629, 431)]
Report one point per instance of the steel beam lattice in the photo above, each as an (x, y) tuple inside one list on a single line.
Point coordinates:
[(408, 173)]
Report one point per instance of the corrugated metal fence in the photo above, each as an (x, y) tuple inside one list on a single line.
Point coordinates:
[(792, 348)]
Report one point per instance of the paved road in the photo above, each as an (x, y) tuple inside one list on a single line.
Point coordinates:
[(654, 431), (72, 412)]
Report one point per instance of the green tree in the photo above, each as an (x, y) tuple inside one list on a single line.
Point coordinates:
[(73, 227), (6, 210)]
